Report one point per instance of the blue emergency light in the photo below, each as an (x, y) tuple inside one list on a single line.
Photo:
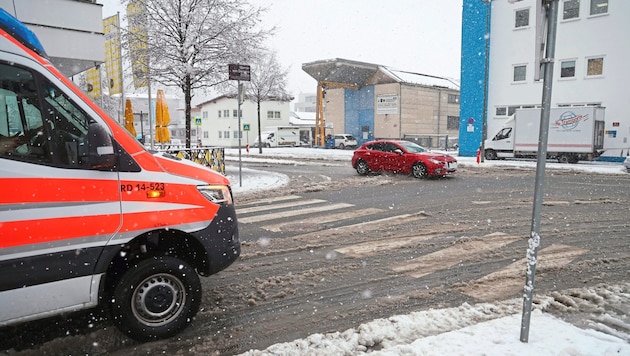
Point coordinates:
[(20, 32)]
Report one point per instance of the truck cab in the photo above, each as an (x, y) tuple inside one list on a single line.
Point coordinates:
[(88, 216), (502, 144)]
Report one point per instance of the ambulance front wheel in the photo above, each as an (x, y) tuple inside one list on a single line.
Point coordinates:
[(156, 298)]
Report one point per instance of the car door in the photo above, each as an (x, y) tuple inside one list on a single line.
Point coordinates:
[(373, 155), (392, 157)]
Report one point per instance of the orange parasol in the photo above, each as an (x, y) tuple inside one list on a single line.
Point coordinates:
[(162, 119), (129, 118)]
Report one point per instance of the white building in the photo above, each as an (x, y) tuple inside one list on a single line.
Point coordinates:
[(219, 120), (592, 49), (306, 102)]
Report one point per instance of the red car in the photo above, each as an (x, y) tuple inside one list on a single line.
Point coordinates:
[(402, 157)]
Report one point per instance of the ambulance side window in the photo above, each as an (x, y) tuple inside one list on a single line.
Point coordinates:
[(22, 135), (39, 123), (68, 127)]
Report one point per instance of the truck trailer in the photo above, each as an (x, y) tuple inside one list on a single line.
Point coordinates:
[(575, 133), (279, 136)]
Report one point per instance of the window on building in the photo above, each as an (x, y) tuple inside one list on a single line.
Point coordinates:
[(226, 113), (501, 111), (204, 114), (276, 114), (226, 134), (521, 18), (512, 110), (235, 113), (453, 99), (520, 73), (270, 114), (452, 122), (595, 66), (567, 69), (220, 134), (206, 134), (219, 114), (571, 9), (599, 7)]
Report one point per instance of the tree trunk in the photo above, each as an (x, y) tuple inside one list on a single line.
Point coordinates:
[(187, 100), (260, 143)]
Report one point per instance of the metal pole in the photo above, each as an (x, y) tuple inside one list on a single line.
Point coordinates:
[(240, 165), (551, 7), (486, 74)]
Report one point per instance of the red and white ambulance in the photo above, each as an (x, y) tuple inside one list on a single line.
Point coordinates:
[(88, 216)]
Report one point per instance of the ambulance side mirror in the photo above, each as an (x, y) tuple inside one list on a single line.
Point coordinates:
[(100, 148)]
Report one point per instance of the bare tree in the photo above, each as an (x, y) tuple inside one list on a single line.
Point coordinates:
[(268, 82), (189, 43)]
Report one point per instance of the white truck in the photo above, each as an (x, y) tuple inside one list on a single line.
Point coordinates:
[(575, 133), (279, 136)]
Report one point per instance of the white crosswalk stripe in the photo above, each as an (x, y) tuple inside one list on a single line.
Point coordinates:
[(255, 209), (291, 213)]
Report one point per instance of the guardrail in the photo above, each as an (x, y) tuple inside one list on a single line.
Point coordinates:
[(212, 157)]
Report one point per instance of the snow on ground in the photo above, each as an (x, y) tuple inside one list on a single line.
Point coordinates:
[(480, 329)]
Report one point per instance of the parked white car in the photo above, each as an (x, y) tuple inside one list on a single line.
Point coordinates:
[(345, 140), (626, 164)]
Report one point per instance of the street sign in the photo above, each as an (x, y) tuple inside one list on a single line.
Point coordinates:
[(245, 127), (239, 72), (197, 121)]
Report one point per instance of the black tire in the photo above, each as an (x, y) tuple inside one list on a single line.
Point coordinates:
[(564, 158), (342, 146), (362, 168), (156, 298), (490, 155), (419, 170)]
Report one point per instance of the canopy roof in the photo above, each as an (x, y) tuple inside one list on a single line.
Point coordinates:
[(346, 72)]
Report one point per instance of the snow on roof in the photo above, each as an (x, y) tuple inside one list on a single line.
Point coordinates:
[(421, 79)]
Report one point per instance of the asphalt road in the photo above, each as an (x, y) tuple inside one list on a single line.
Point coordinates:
[(334, 250)]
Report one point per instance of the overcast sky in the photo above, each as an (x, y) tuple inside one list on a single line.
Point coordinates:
[(415, 35)]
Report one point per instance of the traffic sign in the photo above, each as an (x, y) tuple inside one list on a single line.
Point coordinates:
[(197, 121), (245, 127), (239, 72)]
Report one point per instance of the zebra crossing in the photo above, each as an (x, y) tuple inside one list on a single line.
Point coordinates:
[(308, 216)]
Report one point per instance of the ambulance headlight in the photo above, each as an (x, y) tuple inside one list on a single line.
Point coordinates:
[(218, 194)]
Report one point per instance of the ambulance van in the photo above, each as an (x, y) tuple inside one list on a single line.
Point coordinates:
[(88, 216)]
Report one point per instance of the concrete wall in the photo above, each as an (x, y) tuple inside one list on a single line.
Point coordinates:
[(70, 31)]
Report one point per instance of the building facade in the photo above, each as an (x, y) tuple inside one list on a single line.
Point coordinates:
[(219, 120), (370, 101), (73, 43), (499, 65)]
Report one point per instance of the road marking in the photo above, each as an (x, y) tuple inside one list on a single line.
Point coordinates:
[(315, 223), (332, 235), (255, 209), (463, 250), (271, 200), (509, 280), (375, 247), (290, 213)]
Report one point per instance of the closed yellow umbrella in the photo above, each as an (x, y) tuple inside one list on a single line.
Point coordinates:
[(129, 118), (162, 119)]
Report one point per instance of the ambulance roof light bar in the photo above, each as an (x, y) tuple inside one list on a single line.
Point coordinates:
[(20, 32)]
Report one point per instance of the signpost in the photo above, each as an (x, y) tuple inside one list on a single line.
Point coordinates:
[(547, 10), (239, 72)]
